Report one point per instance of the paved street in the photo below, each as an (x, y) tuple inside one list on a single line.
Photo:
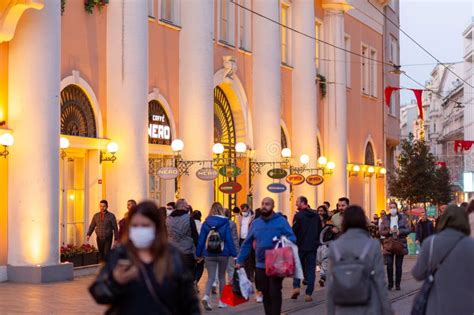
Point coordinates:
[(73, 298)]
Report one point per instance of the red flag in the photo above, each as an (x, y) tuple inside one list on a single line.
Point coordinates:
[(419, 101), (388, 94), (464, 145)]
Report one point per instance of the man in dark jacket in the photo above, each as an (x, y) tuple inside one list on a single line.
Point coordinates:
[(307, 228), (105, 226), (424, 228)]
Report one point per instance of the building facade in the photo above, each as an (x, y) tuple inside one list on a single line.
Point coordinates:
[(119, 85)]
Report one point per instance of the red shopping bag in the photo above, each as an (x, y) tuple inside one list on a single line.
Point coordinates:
[(279, 262), (230, 298)]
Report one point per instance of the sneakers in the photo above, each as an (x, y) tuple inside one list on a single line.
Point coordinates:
[(222, 305), (397, 288), (308, 298), (205, 303), (296, 293)]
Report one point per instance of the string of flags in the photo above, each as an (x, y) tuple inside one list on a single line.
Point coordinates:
[(418, 95)]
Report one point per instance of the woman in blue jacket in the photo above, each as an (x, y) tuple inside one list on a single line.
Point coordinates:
[(216, 245)]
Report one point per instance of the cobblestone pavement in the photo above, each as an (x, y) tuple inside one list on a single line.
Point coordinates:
[(73, 298)]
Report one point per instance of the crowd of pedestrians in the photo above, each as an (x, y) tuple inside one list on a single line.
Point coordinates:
[(160, 255)]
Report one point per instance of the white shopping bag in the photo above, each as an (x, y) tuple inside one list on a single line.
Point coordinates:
[(294, 248), (246, 287)]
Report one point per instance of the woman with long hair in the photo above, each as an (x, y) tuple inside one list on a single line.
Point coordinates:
[(216, 245), (145, 275), (354, 249)]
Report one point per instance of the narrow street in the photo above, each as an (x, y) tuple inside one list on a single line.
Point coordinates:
[(72, 298)]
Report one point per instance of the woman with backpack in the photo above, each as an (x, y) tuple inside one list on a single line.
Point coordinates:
[(356, 279), (451, 253), (216, 245)]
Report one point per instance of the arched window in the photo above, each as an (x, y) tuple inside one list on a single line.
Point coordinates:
[(77, 115), (159, 129), (284, 141), (318, 148), (369, 155)]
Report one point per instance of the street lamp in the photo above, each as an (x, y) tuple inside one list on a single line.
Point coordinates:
[(7, 141), (63, 145), (218, 148), (177, 145), (112, 148)]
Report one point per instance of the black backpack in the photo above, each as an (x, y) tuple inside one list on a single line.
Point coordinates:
[(351, 278), (214, 242)]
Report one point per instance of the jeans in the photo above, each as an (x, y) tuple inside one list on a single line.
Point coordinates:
[(308, 262), (398, 259), (104, 245), (271, 289), (215, 264)]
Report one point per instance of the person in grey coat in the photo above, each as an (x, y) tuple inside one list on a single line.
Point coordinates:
[(235, 238), (453, 287), (350, 244)]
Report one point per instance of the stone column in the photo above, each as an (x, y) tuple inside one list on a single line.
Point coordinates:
[(266, 102), (335, 140), (304, 106), (127, 106), (196, 96), (33, 168)]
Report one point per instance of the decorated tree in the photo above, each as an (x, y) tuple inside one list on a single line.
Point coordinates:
[(414, 179)]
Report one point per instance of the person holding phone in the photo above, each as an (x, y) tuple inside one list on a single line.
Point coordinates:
[(394, 227), (146, 274)]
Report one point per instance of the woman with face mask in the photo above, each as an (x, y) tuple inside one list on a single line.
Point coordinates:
[(395, 229), (145, 275)]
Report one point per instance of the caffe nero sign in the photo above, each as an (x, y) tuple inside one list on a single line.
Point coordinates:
[(159, 130)]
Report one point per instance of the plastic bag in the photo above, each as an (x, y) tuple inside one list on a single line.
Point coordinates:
[(298, 267), (230, 298), (246, 287), (280, 261), (236, 284)]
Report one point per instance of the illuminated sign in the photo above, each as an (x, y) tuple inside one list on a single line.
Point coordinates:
[(159, 130)]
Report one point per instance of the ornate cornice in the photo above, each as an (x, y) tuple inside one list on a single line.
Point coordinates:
[(336, 5), (10, 14)]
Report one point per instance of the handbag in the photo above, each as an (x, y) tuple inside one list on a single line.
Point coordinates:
[(280, 261), (421, 299), (395, 246), (230, 298)]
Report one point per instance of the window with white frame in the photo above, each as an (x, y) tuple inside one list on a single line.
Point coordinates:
[(373, 72), (285, 20), (318, 46), (347, 46), (167, 10), (393, 55), (151, 8), (365, 70), (226, 21), (245, 25)]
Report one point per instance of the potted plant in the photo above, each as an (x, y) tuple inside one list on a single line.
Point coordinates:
[(90, 4), (90, 254), (70, 253)]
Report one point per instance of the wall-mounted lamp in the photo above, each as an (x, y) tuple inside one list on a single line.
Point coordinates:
[(329, 169), (354, 170), (6, 140), (63, 145), (381, 173), (112, 148), (369, 172), (304, 159)]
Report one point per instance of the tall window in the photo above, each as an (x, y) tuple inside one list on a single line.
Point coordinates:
[(347, 46), (167, 10), (318, 44), (285, 38), (393, 55), (244, 25), (226, 21), (373, 73), (151, 8), (365, 71)]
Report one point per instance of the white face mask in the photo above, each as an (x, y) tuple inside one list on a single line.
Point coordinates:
[(245, 214), (168, 212), (393, 211), (142, 236)]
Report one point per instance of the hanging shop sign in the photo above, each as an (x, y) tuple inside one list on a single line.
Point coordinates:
[(314, 180), (277, 173), (159, 130), (230, 171), (276, 188), (168, 172), (295, 179), (230, 187), (206, 173)]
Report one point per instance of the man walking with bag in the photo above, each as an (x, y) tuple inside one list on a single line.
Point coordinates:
[(263, 230), (307, 228)]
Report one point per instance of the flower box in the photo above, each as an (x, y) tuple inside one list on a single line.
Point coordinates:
[(90, 258), (76, 260), (83, 255)]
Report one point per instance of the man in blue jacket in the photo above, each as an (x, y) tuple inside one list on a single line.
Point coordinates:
[(263, 230)]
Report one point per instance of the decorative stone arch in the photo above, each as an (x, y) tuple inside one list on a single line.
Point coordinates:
[(11, 15), (229, 82), (76, 79), (284, 129), (369, 143), (155, 95)]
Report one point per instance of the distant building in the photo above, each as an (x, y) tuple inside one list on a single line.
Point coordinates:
[(408, 119)]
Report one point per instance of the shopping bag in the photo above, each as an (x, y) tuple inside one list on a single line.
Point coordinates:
[(298, 267), (230, 298), (236, 284), (280, 261), (246, 287)]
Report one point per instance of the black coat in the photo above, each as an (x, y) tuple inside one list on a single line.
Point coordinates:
[(307, 227), (176, 294)]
